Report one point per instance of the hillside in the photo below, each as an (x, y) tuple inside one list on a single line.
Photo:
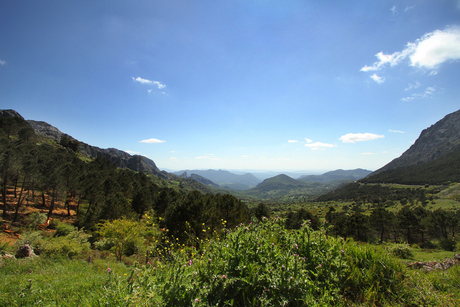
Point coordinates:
[(120, 158), (337, 175), (434, 142), (225, 179), (434, 158)]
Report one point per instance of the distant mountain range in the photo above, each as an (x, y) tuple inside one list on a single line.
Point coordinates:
[(434, 158)]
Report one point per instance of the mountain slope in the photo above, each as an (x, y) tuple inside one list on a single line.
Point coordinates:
[(435, 141), (120, 158), (337, 175), (225, 178)]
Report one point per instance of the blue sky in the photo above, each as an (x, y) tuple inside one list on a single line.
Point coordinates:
[(239, 84)]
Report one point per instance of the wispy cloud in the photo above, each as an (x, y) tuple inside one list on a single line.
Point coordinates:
[(207, 156), (308, 140), (2, 62), (429, 91), (152, 141), (293, 141), (429, 51), (132, 152), (359, 137), (396, 131), (319, 145), (378, 79), (158, 84), (413, 86)]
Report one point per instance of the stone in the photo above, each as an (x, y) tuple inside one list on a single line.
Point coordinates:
[(25, 251)]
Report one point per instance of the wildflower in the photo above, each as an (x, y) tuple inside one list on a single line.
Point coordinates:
[(342, 251), (320, 265), (197, 300), (223, 276), (108, 270)]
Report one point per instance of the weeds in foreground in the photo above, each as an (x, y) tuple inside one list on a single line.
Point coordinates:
[(260, 264)]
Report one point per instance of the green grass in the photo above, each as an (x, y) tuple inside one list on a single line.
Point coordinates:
[(431, 255), (46, 282), (259, 264)]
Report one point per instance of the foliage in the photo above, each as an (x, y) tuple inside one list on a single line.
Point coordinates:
[(125, 235), (36, 218), (401, 250)]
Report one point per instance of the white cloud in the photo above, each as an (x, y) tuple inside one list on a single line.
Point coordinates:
[(377, 79), (132, 152), (368, 153), (394, 10), (359, 137), (152, 141), (429, 91), (207, 156), (319, 146), (412, 86), (308, 140), (396, 131), (293, 141), (2, 62), (429, 51), (158, 84)]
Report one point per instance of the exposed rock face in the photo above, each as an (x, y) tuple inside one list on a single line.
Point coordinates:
[(46, 130), (10, 113), (25, 251), (435, 141)]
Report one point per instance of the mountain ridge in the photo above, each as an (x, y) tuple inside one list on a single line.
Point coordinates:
[(121, 158), (433, 142)]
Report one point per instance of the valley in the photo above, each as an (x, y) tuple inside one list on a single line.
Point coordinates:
[(84, 208)]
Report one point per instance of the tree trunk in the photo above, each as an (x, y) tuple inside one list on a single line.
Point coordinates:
[(67, 204), (18, 204), (50, 211), (43, 199)]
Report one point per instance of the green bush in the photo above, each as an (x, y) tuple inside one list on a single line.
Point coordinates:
[(63, 229), (403, 251), (447, 244), (36, 218)]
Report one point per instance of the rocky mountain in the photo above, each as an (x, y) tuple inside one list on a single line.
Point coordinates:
[(337, 175), (441, 138), (434, 158), (120, 158)]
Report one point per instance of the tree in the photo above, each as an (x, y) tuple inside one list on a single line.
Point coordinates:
[(381, 220), (123, 234)]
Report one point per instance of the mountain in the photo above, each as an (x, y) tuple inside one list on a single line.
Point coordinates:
[(434, 157), (120, 158), (225, 179), (202, 180), (337, 175), (439, 139)]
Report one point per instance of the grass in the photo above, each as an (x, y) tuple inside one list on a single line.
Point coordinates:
[(57, 282), (259, 264)]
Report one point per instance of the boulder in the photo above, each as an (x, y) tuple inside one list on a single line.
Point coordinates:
[(25, 251)]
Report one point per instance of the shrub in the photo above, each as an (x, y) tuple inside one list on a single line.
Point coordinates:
[(447, 244), (63, 229), (125, 235), (403, 251), (36, 218)]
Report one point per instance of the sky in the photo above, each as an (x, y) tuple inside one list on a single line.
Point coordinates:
[(236, 84)]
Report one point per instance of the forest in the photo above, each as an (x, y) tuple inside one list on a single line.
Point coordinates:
[(146, 241)]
